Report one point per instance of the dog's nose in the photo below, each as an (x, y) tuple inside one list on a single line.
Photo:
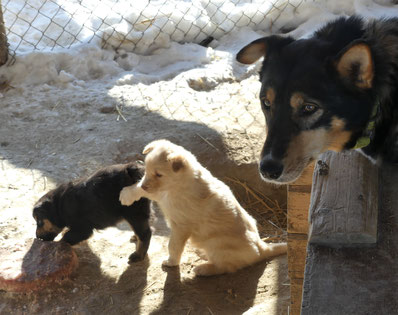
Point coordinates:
[(271, 168)]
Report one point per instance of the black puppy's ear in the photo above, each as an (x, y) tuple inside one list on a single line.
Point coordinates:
[(355, 64), (135, 171), (261, 48)]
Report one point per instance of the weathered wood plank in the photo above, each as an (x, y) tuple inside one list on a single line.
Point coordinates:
[(298, 204), (306, 177), (344, 203), (298, 201), (296, 292), (357, 280), (296, 254)]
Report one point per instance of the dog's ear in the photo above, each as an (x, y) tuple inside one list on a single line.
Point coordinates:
[(261, 48), (135, 171), (148, 148), (177, 162), (355, 64), (46, 208)]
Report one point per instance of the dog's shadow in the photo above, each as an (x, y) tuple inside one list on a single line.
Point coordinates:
[(157, 222), (81, 294), (117, 293), (224, 294)]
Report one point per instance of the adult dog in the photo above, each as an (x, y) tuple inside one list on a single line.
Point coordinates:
[(334, 91), (93, 203), (201, 208)]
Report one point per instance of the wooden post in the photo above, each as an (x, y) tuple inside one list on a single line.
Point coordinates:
[(3, 39), (345, 201), (298, 202)]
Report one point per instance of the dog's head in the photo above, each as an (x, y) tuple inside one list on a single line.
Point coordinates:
[(47, 222), (165, 163), (315, 97)]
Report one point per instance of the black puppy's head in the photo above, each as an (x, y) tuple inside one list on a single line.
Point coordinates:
[(315, 97), (135, 170), (47, 223)]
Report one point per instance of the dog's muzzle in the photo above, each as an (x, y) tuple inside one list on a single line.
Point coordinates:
[(271, 168), (46, 236)]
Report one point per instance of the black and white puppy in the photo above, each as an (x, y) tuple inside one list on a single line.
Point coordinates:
[(93, 203)]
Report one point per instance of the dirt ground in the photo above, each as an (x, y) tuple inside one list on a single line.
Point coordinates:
[(51, 135)]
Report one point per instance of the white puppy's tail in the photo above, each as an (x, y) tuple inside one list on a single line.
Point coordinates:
[(273, 250)]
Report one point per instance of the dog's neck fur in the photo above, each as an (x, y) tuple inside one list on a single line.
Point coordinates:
[(383, 40)]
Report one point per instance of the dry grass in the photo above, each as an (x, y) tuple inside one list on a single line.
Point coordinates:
[(270, 215)]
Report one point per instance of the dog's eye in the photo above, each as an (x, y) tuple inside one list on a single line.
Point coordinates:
[(265, 103), (309, 108), (158, 175), (40, 223)]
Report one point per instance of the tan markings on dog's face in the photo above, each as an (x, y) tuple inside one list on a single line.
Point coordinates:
[(309, 144), (305, 110), (45, 226), (296, 100), (303, 148), (338, 137), (270, 95), (306, 145)]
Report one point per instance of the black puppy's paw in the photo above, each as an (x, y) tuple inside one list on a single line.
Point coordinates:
[(68, 238), (135, 257), (74, 237)]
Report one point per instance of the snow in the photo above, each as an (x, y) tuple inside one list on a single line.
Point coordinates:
[(53, 127), (161, 36)]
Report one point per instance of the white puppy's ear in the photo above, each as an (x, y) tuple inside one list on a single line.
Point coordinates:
[(148, 148), (177, 162)]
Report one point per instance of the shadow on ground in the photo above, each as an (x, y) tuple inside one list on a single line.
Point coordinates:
[(63, 138)]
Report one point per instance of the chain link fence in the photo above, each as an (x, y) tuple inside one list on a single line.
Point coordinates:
[(137, 26), (141, 27)]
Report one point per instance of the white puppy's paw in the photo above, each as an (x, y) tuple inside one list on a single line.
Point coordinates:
[(201, 270), (208, 269), (128, 195), (170, 263)]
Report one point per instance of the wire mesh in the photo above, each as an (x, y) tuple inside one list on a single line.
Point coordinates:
[(137, 26), (143, 26)]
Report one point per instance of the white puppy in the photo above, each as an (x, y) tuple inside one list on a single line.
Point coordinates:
[(199, 207)]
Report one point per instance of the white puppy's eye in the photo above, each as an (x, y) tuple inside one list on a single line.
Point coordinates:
[(158, 175)]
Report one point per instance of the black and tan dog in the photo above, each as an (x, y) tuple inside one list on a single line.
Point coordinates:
[(336, 90), (93, 203)]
